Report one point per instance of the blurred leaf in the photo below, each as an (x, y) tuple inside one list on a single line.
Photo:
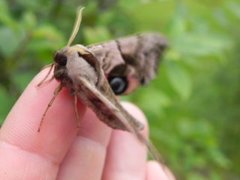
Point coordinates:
[(29, 20), (6, 103), (179, 79), (153, 96), (23, 78), (5, 16), (46, 40), (201, 45), (96, 34), (219, 158), (10, 40), (234, 8), (47, 32), (177, 27)]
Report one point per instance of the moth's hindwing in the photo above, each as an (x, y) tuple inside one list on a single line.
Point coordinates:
[(134, 57)]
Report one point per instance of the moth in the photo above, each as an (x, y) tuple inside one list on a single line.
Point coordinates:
[(97, 73)]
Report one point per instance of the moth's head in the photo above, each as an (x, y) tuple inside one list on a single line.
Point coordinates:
[(74, 62), (60, 62)]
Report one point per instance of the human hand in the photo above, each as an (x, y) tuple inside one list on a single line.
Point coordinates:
[(61, 151)]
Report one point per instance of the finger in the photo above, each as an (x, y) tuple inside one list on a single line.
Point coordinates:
[(156, 171), (85, 159), (126, 156), (31, 153)]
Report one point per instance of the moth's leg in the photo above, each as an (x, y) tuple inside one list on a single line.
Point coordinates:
[(56, 92), (76, 109), (44, 79)]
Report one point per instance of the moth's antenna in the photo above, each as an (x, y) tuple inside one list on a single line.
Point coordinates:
[(76, 26)]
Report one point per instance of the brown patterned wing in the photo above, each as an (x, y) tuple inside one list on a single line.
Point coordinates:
[(103, 102), (135, 56)]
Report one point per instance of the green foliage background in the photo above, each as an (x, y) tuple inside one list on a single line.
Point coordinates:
[(193, 105)]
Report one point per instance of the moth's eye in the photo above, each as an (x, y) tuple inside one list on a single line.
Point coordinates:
[(118, 84), (60, 59)]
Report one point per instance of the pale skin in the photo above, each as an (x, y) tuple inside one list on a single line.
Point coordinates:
[(62, 151)]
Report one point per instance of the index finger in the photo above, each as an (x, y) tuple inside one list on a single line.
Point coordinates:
[(20, 129)]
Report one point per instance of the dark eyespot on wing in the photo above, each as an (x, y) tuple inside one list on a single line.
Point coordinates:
[(118, 84)]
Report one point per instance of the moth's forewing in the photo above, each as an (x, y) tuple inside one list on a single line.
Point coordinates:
[(104, 103)]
